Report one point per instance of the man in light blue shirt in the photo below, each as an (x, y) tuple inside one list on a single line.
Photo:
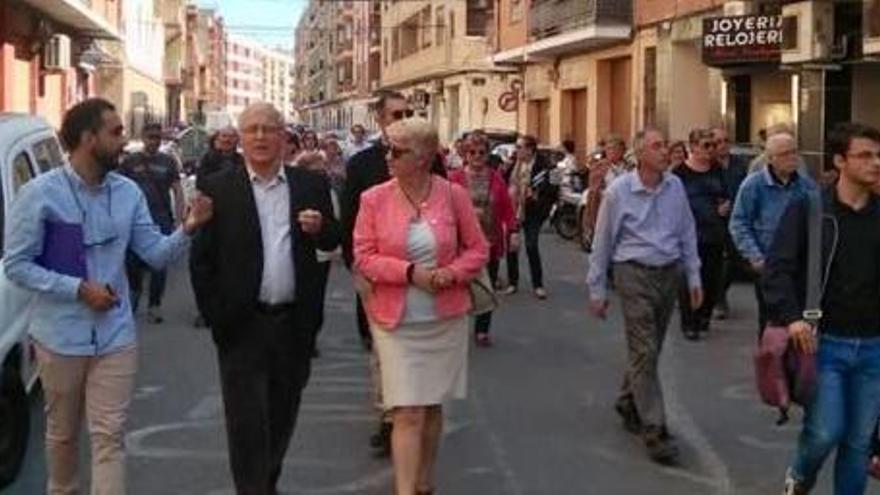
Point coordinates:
[(646, 230), (67, 237)]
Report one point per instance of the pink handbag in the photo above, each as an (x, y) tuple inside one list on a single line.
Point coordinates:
[(784, 374)]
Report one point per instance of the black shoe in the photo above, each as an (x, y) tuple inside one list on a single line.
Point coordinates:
[(631, 421), (659, 446), (381, 440)]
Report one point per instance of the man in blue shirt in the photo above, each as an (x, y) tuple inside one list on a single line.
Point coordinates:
[(67, 238), (646, 230), (760, 202)]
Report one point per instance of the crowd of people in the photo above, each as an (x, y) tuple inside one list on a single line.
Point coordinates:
[(416, 225)]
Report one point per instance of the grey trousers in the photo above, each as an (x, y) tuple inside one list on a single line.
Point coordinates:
[(647, 297)]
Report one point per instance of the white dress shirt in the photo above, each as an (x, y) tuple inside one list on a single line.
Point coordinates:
[(278, 284)]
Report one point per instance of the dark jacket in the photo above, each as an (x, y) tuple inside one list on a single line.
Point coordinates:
[(784, 281), (538, 208), (226, 262), (214, 161), (363, 171), (734, 174)]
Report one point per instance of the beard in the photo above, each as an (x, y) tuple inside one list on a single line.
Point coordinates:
[(107, 161)]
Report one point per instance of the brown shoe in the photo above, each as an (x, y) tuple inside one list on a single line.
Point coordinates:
[(659, 446)]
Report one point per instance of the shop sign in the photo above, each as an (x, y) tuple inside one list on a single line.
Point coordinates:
[(743, 38)]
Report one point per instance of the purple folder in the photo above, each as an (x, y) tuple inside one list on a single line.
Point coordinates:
[(63, 249)]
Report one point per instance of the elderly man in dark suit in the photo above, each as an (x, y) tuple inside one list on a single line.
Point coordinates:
[(256, 282)]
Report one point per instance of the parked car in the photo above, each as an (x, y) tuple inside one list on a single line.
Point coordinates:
[(28, 147)]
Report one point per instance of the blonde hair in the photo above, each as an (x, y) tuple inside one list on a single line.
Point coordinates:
[(418, 134), (261, 107)]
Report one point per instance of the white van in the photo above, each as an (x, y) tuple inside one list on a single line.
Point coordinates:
[(28, 147)]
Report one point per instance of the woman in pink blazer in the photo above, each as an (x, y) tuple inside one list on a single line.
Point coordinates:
[(418, 244), (494, 210)]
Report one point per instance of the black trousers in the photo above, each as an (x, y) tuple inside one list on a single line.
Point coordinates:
[(532, 231), (733, 264), (136, 269), (363, 324), (262, 375), (711, 271), (483, 321)]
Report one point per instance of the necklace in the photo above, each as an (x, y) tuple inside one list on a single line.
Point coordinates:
[(416, 205)]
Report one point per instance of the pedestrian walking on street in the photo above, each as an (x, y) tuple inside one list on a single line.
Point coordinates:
[(256, 279), (365, 170), (157, 175), (707, 195), (418, 244), (647, 232), (759, 206), (534, 196), (222, 152), (494, 210), (603, 169), (357, 141), (734, 169), (67, 239), (846, 403)]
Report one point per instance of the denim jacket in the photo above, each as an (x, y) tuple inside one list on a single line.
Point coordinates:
[(759, 206)]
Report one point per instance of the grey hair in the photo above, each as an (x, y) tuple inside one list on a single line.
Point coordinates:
[(638, 143), (418, 133), (777, 139), (261, 107)]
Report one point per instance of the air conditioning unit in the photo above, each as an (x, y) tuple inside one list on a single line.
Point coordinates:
[(56, 53), (736, 8), (807, 31), (871, 29)]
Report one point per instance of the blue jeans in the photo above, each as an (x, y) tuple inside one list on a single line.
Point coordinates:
[(843, 414)]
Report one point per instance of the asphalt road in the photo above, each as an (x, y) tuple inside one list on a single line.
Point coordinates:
[(538, 419)]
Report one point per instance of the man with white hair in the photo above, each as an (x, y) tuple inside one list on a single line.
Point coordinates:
[(760, 202), (257, 283)]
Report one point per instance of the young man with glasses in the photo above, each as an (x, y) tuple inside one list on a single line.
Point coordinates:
[(710, 206), (646, 231), (363, 171), (158, 176), (846, 402), (69, 232)]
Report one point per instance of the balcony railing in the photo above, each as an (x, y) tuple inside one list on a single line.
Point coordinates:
[(552, 17)]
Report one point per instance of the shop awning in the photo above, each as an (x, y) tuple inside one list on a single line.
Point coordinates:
[(76, 14), (587, 38)]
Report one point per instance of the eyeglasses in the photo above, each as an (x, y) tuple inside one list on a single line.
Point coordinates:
[(864, 156), (258, 128), (708, 145), (400, 114), (396, 153)]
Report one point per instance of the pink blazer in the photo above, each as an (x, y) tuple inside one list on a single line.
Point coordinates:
[(380, 235), (502, 209)]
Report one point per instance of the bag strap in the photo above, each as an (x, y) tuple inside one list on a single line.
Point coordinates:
[(812, 308)]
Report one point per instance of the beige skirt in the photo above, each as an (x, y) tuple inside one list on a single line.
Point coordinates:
[(423, 364)]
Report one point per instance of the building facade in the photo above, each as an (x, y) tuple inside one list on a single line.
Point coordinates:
[(204, 77), (575, 63), (49, 55), (438, 54), (136, 85), (277, 81), (244, 74), (176, 38)]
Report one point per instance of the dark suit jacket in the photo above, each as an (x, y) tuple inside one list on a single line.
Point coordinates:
[(363, 171), (226, 262)]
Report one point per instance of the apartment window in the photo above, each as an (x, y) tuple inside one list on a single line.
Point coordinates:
[(440, 26), (452, 24), (385, 51), (425, 30), (395, 44), (409, 34), (516, 11), (477, 17), (649, 112)]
